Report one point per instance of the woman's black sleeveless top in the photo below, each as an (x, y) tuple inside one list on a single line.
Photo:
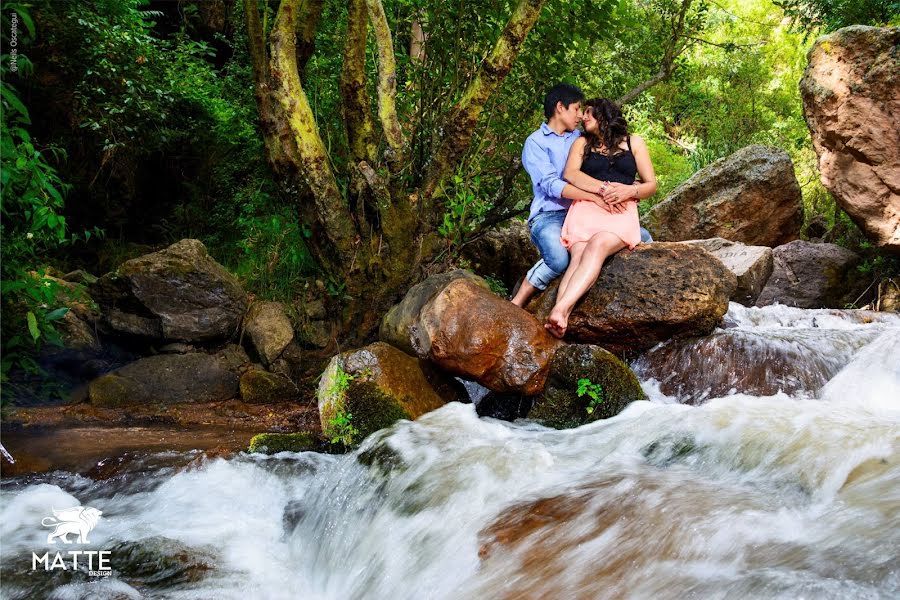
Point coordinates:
[(620, 168)]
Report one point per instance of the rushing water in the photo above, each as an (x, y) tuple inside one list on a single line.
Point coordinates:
[(791, 494)]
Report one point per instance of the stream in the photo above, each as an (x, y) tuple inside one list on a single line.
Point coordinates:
[(764, 465)]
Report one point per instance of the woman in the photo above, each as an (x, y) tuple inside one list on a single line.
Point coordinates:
[(605, 161)]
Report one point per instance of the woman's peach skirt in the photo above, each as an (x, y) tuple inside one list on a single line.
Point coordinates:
[(585, 218)]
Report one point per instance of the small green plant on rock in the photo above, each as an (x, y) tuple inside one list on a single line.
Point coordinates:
[(594, 391), (343, 431)]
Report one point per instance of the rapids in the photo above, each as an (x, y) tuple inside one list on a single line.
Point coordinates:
[(782, 482)]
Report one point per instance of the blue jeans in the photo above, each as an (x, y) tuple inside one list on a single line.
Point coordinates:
[(546, 228)]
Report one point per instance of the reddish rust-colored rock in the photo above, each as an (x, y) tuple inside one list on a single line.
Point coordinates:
[(750, 197), (467, 330), (648, 295), (851, 101)]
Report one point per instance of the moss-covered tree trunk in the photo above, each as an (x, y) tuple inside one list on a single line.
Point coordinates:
[(376, 237)]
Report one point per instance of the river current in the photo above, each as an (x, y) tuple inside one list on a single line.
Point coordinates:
[(764, 465)]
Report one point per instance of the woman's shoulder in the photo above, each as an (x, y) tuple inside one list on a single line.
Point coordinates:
[(637, 140)]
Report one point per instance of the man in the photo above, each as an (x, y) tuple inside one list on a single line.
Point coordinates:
[(544, 158)]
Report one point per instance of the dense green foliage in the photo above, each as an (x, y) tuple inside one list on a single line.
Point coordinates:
[(148, 130)]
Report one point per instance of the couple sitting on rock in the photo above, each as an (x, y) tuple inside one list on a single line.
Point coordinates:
[(594, 174)]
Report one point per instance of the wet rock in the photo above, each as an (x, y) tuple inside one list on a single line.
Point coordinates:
[(396, 323), (378, 385), (646, 296), (270, 330), (750, 197), (504, 406), (80, 276), (166, 379), (262, 387), (889, 295), (505, 253), (752, 265), (469, 331), (289, 363), (851, 102), (273, 443), (176, 348), (615, 385), (177, 294), (809, 275)]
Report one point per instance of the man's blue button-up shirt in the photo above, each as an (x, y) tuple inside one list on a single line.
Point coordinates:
[(544, 157)]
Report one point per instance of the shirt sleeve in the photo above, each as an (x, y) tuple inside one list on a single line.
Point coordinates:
[(542, 172)]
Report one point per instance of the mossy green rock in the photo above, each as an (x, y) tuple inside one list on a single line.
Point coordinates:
[(377, 386), (261, 387), (559, 404), (272, 443)]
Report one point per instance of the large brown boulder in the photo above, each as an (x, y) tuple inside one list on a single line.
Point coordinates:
[(395, 326), (371, 388), (750, 197), (468, 331), (605, 383), (176, 294), (809, 275), (646, 296), (170, 379), (752, 265), (270, 330), (851, 101), (505, 253)]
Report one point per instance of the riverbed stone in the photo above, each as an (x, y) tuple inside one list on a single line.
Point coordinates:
[(560, 406), (851, 102), (374, 387), (750, 197), (471, 332), (273, 443), (166, 379), (262, 387), (809, 275), (177, 294), (752, 265), (645, 296), (505, 253), (395, 326), (270, 330)]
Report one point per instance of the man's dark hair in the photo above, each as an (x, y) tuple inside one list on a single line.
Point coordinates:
[(561, 92)]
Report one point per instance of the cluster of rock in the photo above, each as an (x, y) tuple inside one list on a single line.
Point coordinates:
[(186, 331)]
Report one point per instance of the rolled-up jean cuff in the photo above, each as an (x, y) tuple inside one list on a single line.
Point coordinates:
[(540, 275)]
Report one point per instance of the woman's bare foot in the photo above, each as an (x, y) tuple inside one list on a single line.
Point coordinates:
[(556, 323)]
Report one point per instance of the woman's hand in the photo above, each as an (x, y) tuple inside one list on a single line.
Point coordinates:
[(618, 193)]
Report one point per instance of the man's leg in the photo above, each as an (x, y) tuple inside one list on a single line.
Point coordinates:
[(545, 231), (645, 236)]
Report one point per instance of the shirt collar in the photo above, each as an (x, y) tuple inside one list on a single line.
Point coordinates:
[(545, 129)]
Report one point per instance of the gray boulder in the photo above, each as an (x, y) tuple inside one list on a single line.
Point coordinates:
[(752, 265), (170, 379), (750, 197), (176, 294), (505, 253), (270, 330), (808, 275)]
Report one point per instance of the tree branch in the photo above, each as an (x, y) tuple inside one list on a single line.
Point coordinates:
[(308, 22), (332, 211), (387, 83), (355, 99), (460, 123)]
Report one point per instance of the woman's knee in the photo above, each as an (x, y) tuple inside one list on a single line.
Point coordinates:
[(604, 240)]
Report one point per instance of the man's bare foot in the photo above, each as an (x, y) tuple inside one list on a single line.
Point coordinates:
[(556, 324)]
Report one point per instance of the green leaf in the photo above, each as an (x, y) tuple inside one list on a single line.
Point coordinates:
[(14, 102), (33, 326), (55, 315)]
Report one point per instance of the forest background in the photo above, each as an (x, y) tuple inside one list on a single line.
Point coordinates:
[(128, 125)]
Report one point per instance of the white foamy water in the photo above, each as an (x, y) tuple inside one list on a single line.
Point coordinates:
[(785, 495)]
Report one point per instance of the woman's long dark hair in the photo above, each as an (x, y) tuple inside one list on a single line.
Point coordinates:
[(613, 126)]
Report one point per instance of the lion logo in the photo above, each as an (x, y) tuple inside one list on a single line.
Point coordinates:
[(79, 520)]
